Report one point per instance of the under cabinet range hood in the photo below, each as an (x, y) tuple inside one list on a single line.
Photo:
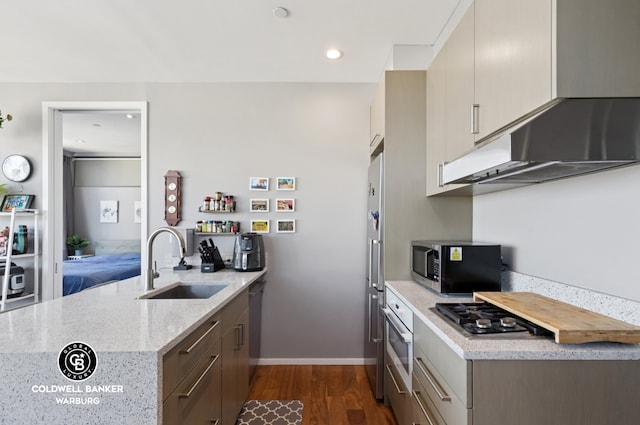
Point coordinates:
[(573, 137)]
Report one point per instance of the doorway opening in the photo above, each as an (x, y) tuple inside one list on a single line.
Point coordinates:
[(54, 237)]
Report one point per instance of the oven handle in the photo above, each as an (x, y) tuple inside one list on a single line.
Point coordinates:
[(407, 337)]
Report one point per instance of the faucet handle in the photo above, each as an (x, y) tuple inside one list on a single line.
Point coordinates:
[(155, 270)]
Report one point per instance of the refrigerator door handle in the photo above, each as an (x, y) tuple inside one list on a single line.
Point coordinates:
[(371, 338), (373, 242)]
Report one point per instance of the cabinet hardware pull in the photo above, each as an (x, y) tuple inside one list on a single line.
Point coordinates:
[(416, 396), (239, 329), (432, 380), (214, 421), (475, 117), (440, 180), (195, 385), (395, 383), (188, 350)]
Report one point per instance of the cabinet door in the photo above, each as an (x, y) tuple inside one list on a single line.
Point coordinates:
[(513, 74), (235, 367), (436, 133), (460, 87)]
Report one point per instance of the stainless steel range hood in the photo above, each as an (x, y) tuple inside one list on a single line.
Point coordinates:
[(576, 136)]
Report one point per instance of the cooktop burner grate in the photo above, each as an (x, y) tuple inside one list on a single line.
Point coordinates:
[(485, 318)]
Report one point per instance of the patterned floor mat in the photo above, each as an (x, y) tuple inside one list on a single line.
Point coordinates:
[(271, 412)]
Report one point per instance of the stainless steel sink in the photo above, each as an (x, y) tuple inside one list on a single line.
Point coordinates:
[(184, 291)]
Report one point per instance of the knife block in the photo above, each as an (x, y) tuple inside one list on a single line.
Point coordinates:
[(218, 263)]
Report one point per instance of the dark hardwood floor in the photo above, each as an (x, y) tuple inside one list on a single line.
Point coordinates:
[(332, 395)]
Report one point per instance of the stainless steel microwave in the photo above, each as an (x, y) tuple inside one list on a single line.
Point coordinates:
[(456, 267)]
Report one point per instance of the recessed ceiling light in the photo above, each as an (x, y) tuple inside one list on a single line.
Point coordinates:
[(129, 116), (280, 12), (81, 141), (334, 54)]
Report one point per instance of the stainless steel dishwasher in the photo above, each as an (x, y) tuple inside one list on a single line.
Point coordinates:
[(255, 318)]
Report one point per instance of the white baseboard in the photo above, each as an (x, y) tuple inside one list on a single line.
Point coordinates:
[(331, 361)]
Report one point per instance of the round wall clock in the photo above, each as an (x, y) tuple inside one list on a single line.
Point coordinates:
[(16, 168), (172, 197)]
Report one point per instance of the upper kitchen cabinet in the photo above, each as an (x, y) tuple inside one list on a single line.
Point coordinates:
[(531, 52), (376, 119), (512, 61), (508, 60), (449, 102)]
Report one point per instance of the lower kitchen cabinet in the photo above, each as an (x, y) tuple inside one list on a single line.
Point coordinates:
[(448, 390), (205, 377), (192, 379), (235, 357)]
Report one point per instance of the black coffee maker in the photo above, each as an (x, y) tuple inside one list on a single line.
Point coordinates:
[(248, 252)]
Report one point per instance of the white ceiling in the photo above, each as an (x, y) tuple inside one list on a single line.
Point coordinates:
[(202, 41), (209, 41)]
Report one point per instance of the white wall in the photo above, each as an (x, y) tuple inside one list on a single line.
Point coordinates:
[(106, 180), (582, 231), (219, 135)]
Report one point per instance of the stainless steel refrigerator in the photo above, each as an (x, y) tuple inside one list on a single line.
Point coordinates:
[(373, 333)]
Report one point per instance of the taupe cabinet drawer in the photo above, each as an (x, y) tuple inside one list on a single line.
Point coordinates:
[(443, 378), (424, 411), (193, 401), (188, 353)]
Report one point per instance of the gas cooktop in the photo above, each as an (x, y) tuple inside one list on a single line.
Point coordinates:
[(483, 318)]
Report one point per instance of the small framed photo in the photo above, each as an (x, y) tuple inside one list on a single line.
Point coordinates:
[(286, 183), (16, 202), (259, 183), (286, 226), (286, 205), (259, 205), (260, 226)]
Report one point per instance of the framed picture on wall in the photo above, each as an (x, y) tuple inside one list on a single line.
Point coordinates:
[(108, 211), (286, 183), (259, 183), (259, 205), (286, 205), (16, 202), (286, 226), (260, 226)]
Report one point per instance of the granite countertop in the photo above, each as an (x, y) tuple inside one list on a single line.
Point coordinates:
[(422, 300), (112, 318)]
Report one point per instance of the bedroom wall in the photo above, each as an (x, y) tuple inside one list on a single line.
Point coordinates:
[(106, 180)]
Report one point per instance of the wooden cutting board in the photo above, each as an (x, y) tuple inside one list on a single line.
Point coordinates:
[(570, 324)]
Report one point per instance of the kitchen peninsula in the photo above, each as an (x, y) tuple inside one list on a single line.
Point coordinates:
[(131, 338)]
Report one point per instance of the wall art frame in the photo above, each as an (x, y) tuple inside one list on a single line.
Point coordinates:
[(285, 183), (260, 226), (259, 205), (259, 183), (285, 205), (286, 226)]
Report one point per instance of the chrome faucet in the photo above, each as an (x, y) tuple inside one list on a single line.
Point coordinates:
[(151, 273)]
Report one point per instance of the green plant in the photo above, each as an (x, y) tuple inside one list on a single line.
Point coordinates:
[(8, 118), (77, 242)]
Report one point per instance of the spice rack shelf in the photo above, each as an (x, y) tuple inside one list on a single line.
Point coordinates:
[(215, 233)]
